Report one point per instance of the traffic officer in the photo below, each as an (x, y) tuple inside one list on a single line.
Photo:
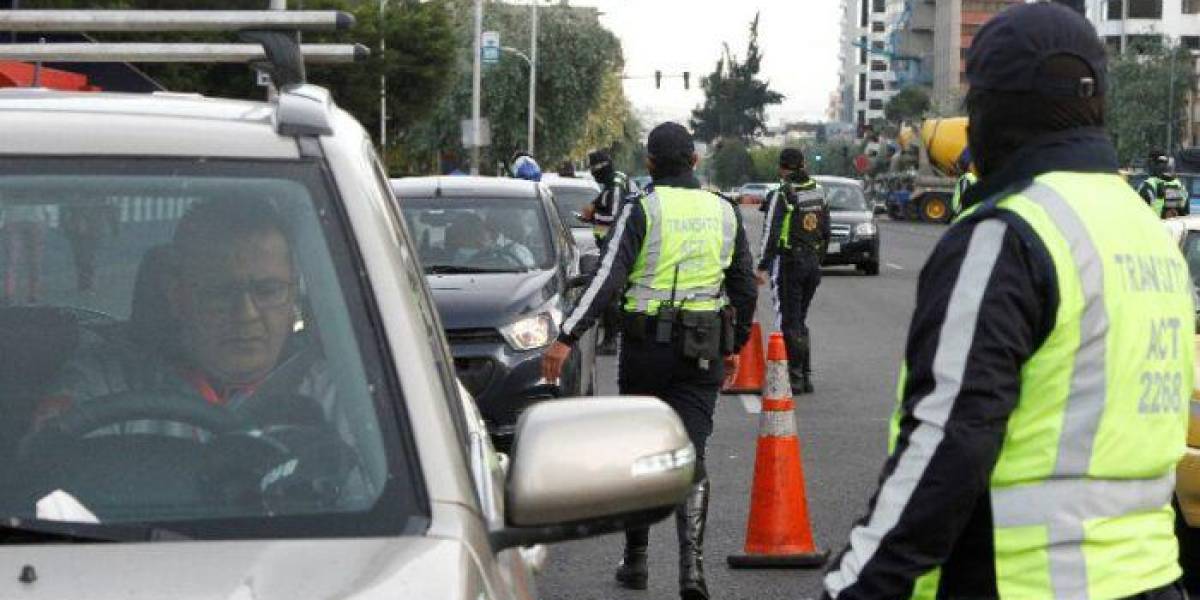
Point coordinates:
[(1044, 392), (679, 255), (602, 212), (524, 166), (965, 181), (1161, 190), (795, 236)]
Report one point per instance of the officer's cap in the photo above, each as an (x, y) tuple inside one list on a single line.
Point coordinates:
[(670, 141), (1009, 52), (792, 159)]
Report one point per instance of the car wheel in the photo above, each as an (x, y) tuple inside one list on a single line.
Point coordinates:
[(935, 210), (869, 268)]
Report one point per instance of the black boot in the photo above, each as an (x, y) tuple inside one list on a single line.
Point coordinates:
[(798, 361), (690, 518), (633, 572)]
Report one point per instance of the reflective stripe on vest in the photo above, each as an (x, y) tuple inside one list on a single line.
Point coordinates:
[(1108, 391), (689, 229), (964, 183), (1080, 493)]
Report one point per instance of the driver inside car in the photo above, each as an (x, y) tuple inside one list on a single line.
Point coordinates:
[(229, 339), (470, 239)]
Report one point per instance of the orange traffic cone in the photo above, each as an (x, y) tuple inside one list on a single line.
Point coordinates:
[(778, 532), (749, 378)]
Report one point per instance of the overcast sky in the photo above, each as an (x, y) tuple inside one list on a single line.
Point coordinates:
[(799, 39)]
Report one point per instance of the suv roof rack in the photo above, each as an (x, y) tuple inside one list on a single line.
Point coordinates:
[(133, 21), (272, 46)]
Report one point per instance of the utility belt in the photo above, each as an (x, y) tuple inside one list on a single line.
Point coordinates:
[(704, 336)]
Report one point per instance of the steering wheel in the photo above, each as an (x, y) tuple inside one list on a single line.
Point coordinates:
[(239, 465), (502, 252)]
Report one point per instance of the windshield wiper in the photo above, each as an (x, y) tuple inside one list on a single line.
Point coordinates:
[(459, 270), (16, 530)]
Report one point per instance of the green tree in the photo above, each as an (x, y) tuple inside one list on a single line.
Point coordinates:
[(735, 99), (909, 104), (765, 164), (1147, 100), (576, 57), (419, 62), (730, 164)]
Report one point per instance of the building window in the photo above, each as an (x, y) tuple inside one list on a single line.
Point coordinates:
[(865, 15), (1138, 9), (879, 66), (876, 104), (877, 46), (1191, 7), (1113, 43), (862, 120), (879, 27), (876, 85), (862, 87), (878, 6), (1191, 42), (1143, 44)]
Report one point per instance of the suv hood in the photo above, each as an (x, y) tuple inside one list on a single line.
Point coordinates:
[(353, 569), (852, 217), (489, 299)]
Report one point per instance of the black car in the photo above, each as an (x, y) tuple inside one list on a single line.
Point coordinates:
[(855, 236), (504, 272)]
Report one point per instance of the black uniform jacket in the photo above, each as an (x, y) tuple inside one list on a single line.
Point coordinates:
[(810, 228), (621, 251), (946, 520)]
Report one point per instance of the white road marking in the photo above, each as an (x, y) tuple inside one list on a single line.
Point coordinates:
[(752, 404), (895, 266)]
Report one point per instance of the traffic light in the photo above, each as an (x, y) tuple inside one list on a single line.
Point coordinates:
[(658, 80), (687, 80)]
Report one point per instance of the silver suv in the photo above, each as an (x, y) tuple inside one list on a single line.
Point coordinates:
[(221, 374)]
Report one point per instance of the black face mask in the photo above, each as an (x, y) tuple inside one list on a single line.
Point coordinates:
[(604, 175)]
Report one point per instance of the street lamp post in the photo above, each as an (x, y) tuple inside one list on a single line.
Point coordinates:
[(533, 57), (532, 91), (476, 83), (382, 82)]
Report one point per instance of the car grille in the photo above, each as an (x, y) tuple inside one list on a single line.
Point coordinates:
[(476, 374), (474, 336), (839, 233)]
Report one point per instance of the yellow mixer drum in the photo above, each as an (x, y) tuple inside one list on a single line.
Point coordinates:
[(944, 141)]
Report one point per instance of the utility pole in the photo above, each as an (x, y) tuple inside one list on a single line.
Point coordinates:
[(272, 90), (1124, 18), (1170, 100), (382, 83), (476, 84), (533, 62)]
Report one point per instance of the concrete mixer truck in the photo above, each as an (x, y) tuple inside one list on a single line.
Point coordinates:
[(919, 182)]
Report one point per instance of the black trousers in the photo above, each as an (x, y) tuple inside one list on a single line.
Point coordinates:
[(648, 368), (794, 280)]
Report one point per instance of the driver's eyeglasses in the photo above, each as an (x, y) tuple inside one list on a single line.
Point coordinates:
[(265, 294)]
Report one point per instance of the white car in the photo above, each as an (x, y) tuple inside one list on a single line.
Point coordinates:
[(252, 396)]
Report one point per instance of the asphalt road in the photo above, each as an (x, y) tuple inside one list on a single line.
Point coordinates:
[(858, 327)]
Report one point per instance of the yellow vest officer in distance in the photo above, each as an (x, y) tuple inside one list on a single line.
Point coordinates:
[(1043, 400), (679, 257)]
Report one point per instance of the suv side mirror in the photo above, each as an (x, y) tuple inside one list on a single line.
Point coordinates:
[(586, 467)]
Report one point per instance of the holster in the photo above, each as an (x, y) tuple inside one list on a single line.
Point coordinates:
[(700, 334), (728, 330)]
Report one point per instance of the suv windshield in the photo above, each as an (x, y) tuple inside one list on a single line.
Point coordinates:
[(182, 348), (844, 196), (477, 235), (572, 199)]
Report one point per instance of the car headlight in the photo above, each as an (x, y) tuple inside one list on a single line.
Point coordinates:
[(867, 229), (532, 332)]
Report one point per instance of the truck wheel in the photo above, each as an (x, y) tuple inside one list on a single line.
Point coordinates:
[(935, 210)]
